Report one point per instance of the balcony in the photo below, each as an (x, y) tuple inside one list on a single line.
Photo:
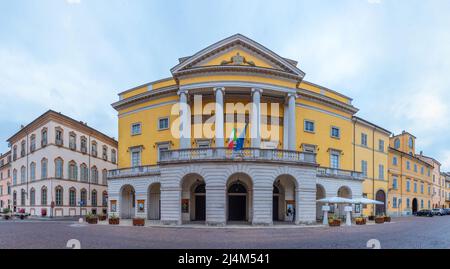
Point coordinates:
[(134, 172), (338, 173), (246, 154)]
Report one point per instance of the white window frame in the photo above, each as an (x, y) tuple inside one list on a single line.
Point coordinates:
[(132, 128), (338, 130), (161, 145), (159, 123), (136, 150), (313, 125)]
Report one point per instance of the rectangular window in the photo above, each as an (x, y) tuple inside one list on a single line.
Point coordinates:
[(364, 168), (136, 129), (364, 139), (415, 186), (59, 138), (421, 170), (421, 188), (408, 186), (415, 168), (335, 132), (408, 165), (309, 126), (334, 159), (72, 142), (394, 183), (136, 158), (381, 171), (161, 148), (394, 202), (394, 160), (163, 123), (381, 145)]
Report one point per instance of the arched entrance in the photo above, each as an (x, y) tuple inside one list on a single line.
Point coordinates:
[(283, 204), (414, 205), (127, 202), (381, 197), (320, 194), (343, 192), (154, 201), (200, 201), (193, 197), (239, 198), (275, 203)]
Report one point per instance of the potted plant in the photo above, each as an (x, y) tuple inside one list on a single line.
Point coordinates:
[(138, 222), (360, 220), (114, 220), (102, 217), (387, 218), (6, 213), (43, 212), (91, 218), (334, 221), (379, 219)]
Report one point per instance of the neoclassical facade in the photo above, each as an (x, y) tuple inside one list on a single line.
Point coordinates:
[(59, 167), (175, 163), (5, 180)]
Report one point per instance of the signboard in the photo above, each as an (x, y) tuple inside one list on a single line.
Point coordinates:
[(141, 205), (113, 205), (185, 205)]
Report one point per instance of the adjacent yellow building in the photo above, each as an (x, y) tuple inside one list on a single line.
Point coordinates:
[(371, 149), (410, 177)]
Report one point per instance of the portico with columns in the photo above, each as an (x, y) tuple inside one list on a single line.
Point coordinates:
[(267, 181)]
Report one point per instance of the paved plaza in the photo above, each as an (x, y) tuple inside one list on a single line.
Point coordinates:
[(405, 232)]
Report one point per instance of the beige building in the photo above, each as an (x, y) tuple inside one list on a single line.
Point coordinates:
[(5, 180), (59, 167), (438, 182)]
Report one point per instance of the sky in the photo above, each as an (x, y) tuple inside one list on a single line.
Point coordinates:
[(74, 56)]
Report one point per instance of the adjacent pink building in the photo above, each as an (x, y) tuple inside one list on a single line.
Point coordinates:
[(5, 180)]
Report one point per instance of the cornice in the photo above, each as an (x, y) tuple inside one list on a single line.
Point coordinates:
[(143, 97), (315, 97)]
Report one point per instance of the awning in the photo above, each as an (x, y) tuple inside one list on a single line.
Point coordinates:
[(336, 200), (367, 201)]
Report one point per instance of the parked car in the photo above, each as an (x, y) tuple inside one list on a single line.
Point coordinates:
[(424, 212), (447, 211), (438, 211)]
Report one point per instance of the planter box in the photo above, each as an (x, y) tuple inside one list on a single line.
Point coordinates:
[(387, 219), (92, 220), (334, 223), (138, 222), (360, 222), (379, 220), (114, 221), (102, 218)]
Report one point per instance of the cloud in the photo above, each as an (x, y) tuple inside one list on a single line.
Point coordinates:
[(30, 87), (73, 2)]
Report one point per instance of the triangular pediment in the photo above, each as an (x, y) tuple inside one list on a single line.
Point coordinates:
[(238, 50)]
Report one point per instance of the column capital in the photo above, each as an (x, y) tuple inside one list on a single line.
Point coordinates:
[(291, 94), (182, 91), (259, 90), (222, 89)]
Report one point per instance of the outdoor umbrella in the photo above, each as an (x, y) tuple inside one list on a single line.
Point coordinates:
[(336, 200), (367, 201)]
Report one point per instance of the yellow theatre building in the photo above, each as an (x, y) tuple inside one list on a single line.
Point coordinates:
[(237, 134), (410, 177)]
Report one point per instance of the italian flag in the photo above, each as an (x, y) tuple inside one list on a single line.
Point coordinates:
[(233, 139)]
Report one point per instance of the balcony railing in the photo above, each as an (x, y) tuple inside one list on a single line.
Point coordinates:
[(333, 172), (134, 171), (246, 154)]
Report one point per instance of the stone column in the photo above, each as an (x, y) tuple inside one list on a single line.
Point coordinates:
[(292, 119), (256, 118), (216, 199), (262, 205), (185, 115), (286, 127), (219, 92)]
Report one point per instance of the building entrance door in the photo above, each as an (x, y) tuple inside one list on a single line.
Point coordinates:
[(237, 207), (414, 205), (200, 207)]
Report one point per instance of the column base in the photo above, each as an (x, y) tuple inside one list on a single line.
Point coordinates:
[(216, 223), (170, 222)]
